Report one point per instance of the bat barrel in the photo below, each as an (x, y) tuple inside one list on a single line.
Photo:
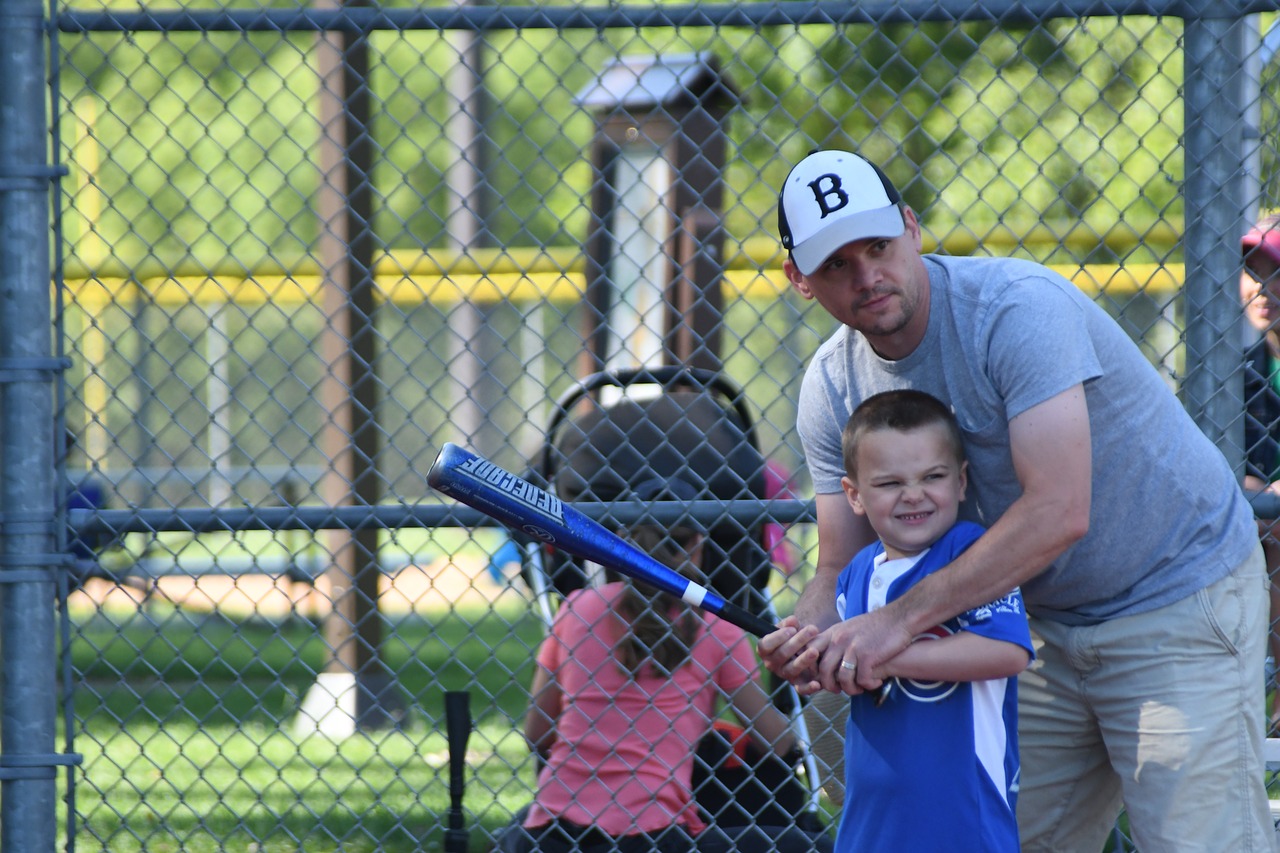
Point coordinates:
[(538, 514)]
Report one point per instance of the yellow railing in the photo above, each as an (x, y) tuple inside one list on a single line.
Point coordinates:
[(527, 274)]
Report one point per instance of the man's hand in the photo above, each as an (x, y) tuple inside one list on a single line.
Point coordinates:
[(845, 658), (853, 652)]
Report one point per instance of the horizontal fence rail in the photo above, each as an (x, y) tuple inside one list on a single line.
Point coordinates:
[(484, 19)]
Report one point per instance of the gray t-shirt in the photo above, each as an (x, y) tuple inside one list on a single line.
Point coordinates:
[(1167, 515)]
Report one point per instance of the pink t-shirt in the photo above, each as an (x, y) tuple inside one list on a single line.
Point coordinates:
[(622, 760)]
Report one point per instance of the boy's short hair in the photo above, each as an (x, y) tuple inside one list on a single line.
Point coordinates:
[(901, 410)]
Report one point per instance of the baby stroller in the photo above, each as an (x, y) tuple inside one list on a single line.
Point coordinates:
[(617, 429)]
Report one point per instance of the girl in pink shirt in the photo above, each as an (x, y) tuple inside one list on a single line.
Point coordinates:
[(626, 686)]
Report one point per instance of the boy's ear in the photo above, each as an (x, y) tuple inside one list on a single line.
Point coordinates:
[(964, 477), (851, 494)]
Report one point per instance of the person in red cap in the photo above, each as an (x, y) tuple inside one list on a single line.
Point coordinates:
[(1260, 296)]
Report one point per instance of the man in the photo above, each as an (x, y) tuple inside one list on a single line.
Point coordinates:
[(1133, 545)]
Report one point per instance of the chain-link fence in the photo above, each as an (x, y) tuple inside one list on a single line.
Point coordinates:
[(297, 249)]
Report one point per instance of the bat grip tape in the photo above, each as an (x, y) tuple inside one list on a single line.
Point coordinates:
[(746, 620)]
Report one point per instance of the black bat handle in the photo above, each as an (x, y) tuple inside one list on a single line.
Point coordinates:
[(457, 715), (751, 623), (746, 620)]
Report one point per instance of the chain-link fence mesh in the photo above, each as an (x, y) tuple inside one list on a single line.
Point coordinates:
[(301, 249)]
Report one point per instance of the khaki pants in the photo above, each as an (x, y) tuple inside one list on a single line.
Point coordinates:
[(1162, 712)]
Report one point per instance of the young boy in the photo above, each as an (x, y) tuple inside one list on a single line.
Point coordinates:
[(932, 762)]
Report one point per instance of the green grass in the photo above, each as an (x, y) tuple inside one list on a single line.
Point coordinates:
[(185, 724)]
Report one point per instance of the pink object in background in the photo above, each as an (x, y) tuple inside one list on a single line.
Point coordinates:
[(777, 485)]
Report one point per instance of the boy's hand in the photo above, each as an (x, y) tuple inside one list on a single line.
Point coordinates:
[(787, 654)]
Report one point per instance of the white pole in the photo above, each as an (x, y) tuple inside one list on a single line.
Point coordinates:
[(218, 400)]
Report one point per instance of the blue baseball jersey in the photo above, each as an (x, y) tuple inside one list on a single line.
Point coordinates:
[(936, 766)]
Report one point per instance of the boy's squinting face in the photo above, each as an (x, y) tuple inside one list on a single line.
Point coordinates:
[(909, 486)]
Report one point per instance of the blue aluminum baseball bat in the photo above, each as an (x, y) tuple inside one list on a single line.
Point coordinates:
[(522, 506)]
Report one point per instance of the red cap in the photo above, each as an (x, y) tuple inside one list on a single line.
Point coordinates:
[(1265, 237)]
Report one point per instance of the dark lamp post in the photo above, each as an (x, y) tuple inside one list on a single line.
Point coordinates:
[(655, 243)]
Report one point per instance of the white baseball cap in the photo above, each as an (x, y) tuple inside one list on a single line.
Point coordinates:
[(832, 198)]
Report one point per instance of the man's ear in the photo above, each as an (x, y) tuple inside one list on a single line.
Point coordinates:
[(912, 225), (851, 494), (796, 278)]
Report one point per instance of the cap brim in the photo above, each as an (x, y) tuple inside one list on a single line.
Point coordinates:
[(1268, 244), (884, 222)]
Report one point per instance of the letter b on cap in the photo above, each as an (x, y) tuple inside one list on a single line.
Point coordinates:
[(829, 193)]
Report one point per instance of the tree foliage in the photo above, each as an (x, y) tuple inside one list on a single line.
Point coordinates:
[(204, 146)]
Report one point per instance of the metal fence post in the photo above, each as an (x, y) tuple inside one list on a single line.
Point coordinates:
[(1214, 150), (27, 483)]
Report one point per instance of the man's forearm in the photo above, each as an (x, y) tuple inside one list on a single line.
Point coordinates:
[(817, 603), (1050, 446), (841, 534), (1017, 548)]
